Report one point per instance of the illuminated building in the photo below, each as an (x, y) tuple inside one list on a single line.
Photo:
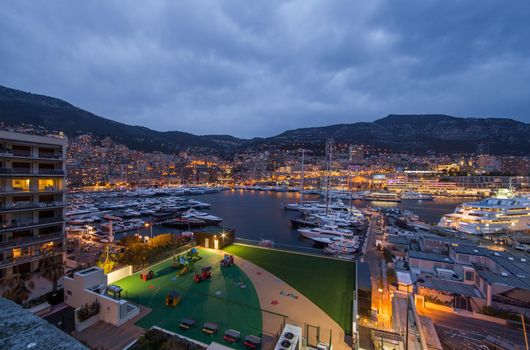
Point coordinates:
[(32, 181)]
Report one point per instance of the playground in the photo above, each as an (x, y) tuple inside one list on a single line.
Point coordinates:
[(201, 295)]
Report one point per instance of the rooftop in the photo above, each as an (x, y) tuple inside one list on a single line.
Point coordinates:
[(430, 256), (451, 287), (20, 329)]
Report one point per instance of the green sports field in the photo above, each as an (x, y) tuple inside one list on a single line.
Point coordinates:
[(329, 283), (220, 300)]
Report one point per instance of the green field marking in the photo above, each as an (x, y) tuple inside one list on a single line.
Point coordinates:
[(329, 283)]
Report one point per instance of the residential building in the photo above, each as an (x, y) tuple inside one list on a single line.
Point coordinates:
[(32, 199)]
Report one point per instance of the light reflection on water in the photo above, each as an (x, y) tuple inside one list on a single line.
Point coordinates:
[(260, 214)]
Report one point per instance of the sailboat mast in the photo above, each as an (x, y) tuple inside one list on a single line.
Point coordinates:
[(328, 168), (349, 188), (302, 185)]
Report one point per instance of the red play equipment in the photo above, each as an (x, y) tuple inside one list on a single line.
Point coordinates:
[(205, 275), (227, 261), (148, 276)]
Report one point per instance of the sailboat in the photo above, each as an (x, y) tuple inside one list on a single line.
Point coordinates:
[(300, 206)]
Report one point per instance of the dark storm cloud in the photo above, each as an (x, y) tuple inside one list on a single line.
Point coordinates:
[(252, 68)]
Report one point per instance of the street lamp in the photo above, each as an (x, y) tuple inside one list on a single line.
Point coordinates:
[(148, 225)]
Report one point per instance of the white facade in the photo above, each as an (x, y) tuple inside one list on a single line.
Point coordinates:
[(500, 214), (90, 285)]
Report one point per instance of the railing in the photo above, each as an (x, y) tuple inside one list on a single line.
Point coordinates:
[(30, 190), (42, 221), (50, 155), (23, 241), (9, 261), (30, 205), (28, 171), (51, 171), (21, 153)]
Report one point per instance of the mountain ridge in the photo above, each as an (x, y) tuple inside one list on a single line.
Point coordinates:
[(419, 133)]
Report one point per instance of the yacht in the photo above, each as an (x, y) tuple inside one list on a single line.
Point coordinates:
[(382, 197), (411, 195), (209, 219), (502, 213), (325, 231)]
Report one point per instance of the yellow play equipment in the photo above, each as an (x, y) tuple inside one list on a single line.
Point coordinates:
[(172, 299), (183, 271)]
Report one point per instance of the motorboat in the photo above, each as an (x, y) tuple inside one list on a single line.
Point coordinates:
[(325, 231), (209, 219)]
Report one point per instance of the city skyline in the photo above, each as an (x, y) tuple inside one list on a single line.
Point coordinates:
[(271, 67)]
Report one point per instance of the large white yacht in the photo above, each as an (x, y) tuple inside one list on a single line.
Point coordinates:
[(502, 213)]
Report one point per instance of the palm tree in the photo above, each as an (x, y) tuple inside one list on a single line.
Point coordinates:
[(52, 269), (18, 287)]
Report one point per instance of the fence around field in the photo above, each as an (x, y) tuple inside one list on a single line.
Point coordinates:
[(170, 253), (288, 248)]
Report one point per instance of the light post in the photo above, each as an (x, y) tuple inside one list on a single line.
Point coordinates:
[(150, 226)]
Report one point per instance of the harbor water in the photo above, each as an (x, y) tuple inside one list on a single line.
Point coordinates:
[(259, 215)]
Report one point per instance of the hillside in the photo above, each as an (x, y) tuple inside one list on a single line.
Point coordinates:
[(408, 133)]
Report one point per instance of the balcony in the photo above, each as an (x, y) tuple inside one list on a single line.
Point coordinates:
[(29, 172), (5, 152), (18, 224), (10, 261), (21, 206), (46, 155), (51, 172), (20, 190), (25, 241)]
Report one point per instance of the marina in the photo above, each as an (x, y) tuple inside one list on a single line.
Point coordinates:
[(255, 215)]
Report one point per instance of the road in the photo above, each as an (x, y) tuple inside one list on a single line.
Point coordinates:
[(374, 258)]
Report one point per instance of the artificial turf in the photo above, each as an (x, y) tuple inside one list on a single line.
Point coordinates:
[(329, 283), (220, 300)]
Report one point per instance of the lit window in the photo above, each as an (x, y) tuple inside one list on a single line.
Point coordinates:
[(45, 184), (17, 253), (20, 184)]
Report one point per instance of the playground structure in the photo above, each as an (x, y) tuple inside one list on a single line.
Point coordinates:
[(148, 276), (206, 274), (172, 299), (228, 260), (185, 263), (193, 255)]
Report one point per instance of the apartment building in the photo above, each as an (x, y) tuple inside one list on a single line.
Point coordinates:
[(32, 200)]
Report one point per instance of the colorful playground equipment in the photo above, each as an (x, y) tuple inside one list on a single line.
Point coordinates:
[(182, 263), (193, 254), (227, 261), (205, 274), (172, 299), (148, 276)]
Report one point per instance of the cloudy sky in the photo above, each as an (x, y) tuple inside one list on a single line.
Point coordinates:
[(256, 68)]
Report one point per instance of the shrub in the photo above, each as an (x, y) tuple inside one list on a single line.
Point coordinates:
[(88, 310)]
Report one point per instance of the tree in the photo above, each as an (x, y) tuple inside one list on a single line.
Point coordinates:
[(18, 287), (52, 269), (109, 262)]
